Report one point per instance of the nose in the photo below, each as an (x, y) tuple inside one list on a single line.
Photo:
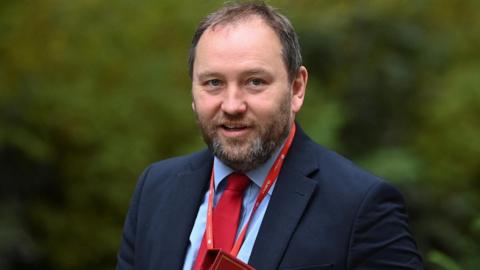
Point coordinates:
[(233, 102)]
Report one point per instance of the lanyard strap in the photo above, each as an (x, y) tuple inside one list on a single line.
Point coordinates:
[(267, 184)]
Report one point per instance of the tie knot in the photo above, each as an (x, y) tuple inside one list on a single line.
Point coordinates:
[(237, 182)]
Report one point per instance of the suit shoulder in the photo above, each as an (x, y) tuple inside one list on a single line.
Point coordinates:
[(327, 167), (160, 176), (342, 172)]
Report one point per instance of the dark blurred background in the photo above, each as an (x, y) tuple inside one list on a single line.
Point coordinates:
[(93, 91)]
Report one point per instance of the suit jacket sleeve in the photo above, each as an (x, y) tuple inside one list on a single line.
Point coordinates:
[(126, 254), (380, 237)]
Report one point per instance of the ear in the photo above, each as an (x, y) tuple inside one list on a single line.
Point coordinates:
[(299, 86), (193, 107)]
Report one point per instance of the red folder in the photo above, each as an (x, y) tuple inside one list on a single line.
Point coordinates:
[(216, 259)]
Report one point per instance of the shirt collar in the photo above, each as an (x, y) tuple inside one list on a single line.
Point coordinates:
[(258, 175)]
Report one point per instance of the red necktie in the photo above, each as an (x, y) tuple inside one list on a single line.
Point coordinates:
[(226, 216)]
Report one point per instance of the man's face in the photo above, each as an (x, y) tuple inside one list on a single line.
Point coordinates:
[(242, 97)]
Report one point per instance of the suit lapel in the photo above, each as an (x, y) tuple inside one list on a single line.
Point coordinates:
[(290, 197), (185, 197)]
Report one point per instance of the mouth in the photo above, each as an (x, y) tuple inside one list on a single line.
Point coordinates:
[(232, 127), (234, 130)]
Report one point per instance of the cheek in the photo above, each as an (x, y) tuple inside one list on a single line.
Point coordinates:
[(265, 109), (272, 103), (205, 106)]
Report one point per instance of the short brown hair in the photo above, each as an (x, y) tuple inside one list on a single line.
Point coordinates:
[(234, 12)]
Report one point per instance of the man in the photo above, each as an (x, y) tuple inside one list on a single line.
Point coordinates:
[(319, 211)]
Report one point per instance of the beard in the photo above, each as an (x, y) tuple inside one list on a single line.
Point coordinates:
[(243, 154)]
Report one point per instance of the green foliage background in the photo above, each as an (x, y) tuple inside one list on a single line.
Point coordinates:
[(93, 91)]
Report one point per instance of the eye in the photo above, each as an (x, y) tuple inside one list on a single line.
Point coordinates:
[(256, 82), (214, 82)]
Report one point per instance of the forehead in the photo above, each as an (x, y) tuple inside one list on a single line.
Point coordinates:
[(243, 42)]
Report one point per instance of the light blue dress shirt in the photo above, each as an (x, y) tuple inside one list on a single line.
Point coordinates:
[(221, 171)]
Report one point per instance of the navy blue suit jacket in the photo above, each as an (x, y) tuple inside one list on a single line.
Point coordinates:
[(324, 213)]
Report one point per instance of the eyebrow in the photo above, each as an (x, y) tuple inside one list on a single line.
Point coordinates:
[(246, 73), (207, 75), (257, 71)]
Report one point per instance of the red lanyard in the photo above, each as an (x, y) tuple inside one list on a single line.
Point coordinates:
[(267, 184)]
